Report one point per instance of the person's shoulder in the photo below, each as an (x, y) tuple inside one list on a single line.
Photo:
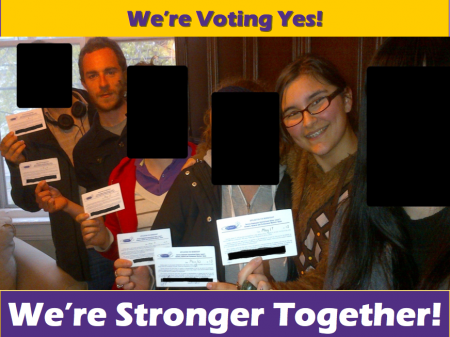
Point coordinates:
[(125, 168), (197, 170), (191, 176)]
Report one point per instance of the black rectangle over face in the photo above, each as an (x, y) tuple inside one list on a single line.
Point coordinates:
[(157, 98), (44, 75), (408, 136), (245, 138)]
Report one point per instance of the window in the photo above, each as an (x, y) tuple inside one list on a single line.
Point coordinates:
[(160, 51)]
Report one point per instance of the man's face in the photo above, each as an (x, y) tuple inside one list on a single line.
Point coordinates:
[(104, 79)]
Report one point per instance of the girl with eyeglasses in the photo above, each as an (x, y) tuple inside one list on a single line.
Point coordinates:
[(318, 146)]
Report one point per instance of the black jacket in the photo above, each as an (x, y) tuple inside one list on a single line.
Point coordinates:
[(97, 154), (193, 205), (71, 254)]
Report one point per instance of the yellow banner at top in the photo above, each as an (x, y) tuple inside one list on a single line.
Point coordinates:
[(227, 18)]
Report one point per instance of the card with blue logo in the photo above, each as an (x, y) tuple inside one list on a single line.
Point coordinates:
[(103, 201), (26, 122), (138, 247), (269, 235), (32, 172), (185, 266)]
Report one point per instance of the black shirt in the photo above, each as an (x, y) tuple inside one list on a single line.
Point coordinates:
[(427, 237), (97, 154)]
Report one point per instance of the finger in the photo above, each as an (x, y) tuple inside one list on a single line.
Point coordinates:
[(51, 205), (44, 203), (82, 217), (141, 271), (9, 140), (129, 286), (40, 187), (220, 286), (90, 230), (122, 263), (40, 199), (53, 190), (15, 143), (6, 139), (88, 237), (263, 285), (256, 278), (17, 153), (249, 269), (122, 280), (124, 271), (12, 149), (90, 224), (86, 227), (43, 194)]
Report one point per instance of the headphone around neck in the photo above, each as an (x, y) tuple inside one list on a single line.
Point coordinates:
[(79, 110)]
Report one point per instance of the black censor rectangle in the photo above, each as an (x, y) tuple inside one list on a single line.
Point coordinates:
[(157, 103), (243, 254), (29, 129), (174, 279), (34, 180), (245, 138), (105, 210), (407, 136), (44, 75), (145, 259)]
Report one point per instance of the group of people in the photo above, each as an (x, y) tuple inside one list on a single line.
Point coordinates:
[(342, 243)]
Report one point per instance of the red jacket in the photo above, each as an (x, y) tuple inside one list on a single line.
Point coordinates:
[(125, 221)]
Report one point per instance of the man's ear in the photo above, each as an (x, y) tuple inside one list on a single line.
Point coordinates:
[(84, 85), (348, 99)]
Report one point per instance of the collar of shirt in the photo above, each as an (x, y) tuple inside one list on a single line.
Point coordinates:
[(101, 135), (153, 185)]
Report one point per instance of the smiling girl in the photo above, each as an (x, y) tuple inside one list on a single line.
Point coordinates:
[(318, 143)]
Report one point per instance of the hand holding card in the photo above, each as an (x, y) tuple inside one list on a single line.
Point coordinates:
[(94, 231), (12, 148)]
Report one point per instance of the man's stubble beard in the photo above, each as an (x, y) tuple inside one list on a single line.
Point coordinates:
[(116, 106), (119, 103)]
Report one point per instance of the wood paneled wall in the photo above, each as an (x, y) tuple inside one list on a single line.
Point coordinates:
[(213, 60)]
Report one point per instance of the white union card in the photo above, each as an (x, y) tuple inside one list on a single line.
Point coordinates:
[(269, 235), (103, 201), (32, 172), (139, 247), (26, 122), (185, 266)]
